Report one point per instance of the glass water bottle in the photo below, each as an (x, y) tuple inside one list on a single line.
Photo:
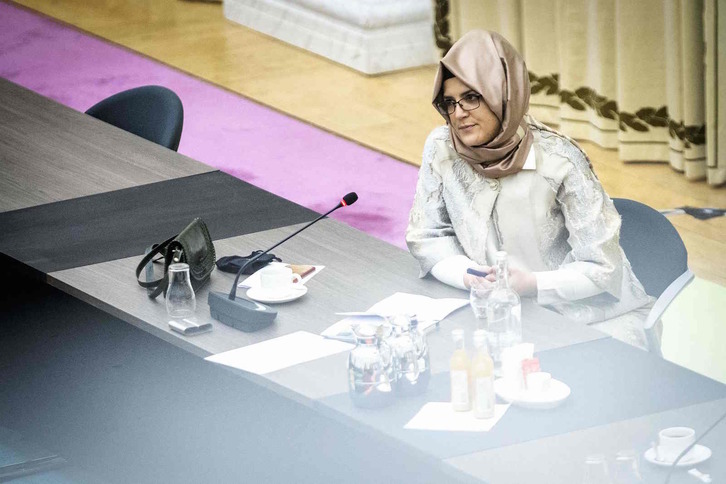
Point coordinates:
[(504, 312)]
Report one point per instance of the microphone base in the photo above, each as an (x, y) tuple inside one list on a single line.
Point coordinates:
[(240, 313)]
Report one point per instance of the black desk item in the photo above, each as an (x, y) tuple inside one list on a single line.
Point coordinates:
[(242, 314), (233, 263), (192, 246)]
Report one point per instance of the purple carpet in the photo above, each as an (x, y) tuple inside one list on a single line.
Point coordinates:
[(227, 131)]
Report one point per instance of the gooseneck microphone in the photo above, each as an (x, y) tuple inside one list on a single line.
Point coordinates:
[(349, 199), (247, 315)]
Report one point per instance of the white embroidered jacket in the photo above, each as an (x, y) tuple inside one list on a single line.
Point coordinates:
[(553, 219)]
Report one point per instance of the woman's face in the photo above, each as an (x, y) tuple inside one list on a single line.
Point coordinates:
[(475, 127)]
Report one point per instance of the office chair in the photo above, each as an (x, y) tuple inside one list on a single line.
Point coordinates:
[(152, 112), (657, 255)]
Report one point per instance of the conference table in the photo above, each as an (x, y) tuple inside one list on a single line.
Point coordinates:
[(80, 201)]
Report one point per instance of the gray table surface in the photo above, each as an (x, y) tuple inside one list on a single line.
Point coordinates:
[(353, 280), (50, 152), (561, 458)]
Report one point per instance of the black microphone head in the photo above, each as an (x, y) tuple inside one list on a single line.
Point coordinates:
[(350, 199)]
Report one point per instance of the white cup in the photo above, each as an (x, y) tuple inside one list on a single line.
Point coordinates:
[(538, 382), (674, 440), (278, 278)]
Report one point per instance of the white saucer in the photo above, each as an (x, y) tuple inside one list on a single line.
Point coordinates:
[(554, 396), (698, 454), (274, 297)]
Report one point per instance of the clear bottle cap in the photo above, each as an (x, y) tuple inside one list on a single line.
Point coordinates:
[(402, 321), (500, 255), (595, 458), (178, 267), (457, 334), (480, 338)]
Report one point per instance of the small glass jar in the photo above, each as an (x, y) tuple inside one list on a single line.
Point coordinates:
[(410, 356), (180, 300), (370, 369)]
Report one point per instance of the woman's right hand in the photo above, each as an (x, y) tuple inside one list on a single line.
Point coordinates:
[(524, 283), (470, 279)]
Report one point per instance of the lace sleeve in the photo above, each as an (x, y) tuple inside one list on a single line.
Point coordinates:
[(592, 221), (430, 235)]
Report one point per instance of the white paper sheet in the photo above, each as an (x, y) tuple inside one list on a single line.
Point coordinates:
[(441, 416), (426, 308), (429, 311), (278, 353), (253, 280)]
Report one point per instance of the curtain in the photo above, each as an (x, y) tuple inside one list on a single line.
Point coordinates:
[(715, 16), (627, 75)]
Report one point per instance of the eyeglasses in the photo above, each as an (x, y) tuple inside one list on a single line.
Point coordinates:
[(468, 103)]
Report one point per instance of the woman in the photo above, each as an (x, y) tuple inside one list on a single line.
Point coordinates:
[(496, 179)]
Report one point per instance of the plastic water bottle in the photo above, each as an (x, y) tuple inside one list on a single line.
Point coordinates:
[(504, 312)]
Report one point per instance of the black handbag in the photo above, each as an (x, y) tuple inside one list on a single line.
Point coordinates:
[(193, 246)]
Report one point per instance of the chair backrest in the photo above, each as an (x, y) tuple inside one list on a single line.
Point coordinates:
[(152, 112), (652, 245)]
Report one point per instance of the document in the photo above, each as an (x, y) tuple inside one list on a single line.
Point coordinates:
[(278, 353), (442, 416), (428, 311)]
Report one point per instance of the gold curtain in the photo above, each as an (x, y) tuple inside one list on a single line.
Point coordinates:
[(715, 34), (627, 75)]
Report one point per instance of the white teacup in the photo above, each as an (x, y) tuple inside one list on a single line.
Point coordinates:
[(278, 278), (538, 382), (674, 440)]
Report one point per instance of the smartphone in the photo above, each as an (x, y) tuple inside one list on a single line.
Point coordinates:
[(477, 273)]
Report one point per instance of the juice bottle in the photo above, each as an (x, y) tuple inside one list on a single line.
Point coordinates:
[(482, 377), (459, 364)]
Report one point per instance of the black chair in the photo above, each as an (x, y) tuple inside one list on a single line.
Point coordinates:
[(657, 255), (152, 112)]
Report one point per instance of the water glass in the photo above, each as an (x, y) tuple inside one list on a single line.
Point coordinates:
[(627, 470), (478, 299), (596, 470), (180, 300)]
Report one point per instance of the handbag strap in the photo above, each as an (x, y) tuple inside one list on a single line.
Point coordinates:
[(158, 285)]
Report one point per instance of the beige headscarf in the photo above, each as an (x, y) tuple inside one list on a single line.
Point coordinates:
[(488, 64)]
